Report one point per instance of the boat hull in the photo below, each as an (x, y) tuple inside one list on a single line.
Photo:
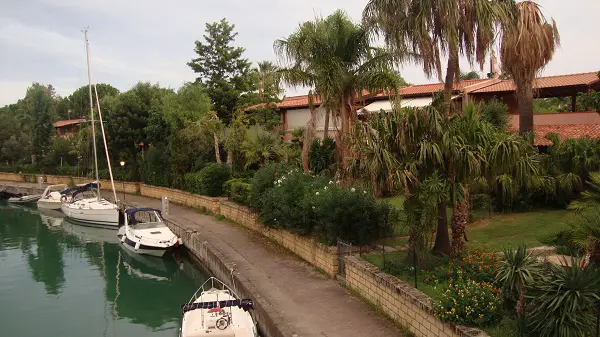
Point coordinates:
[(49, 204), (108, 217), (25, 200)]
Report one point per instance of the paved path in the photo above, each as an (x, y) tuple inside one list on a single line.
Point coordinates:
[(311, 303)]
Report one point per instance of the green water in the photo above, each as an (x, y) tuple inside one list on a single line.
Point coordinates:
[(61, 279)]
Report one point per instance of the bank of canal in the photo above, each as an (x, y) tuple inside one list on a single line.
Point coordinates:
[(62, 279)]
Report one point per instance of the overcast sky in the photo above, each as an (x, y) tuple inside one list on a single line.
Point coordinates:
[(151, 40)]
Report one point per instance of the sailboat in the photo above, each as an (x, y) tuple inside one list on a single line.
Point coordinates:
[(94, 209)]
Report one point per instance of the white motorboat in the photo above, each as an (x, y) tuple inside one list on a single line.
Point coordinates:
[(94, 210), (218, 313), (145, 232), (51, 198), (25, 199)]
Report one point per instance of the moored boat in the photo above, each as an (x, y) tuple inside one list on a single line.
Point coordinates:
[(215, 310), (51, 198), (25, 199), (145, 232)]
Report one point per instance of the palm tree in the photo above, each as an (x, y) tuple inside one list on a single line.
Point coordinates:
[(261, 146), (335, 57), (268, 81), (524, 52), (425, 31)]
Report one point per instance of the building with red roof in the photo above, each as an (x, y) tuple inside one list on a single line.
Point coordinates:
[(294, 110)]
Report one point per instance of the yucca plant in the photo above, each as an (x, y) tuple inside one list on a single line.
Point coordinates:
[(565, 300), (519, 269)]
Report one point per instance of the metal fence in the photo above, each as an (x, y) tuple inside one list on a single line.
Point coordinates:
[(343, 249)]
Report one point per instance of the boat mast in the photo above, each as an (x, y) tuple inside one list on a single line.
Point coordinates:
[(87, 52), (112, 182)]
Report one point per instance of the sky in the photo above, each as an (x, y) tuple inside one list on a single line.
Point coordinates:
[(152, 40)]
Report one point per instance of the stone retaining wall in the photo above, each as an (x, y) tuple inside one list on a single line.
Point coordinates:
[(400, 301)]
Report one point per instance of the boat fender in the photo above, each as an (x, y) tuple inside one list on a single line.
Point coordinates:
[(222, 323), (179, 242), (63, 198), (123, 238), (137, 245)]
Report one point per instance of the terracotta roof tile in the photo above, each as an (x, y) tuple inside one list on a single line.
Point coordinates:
[(428, 89), (546, 82), (566, 131), (60, 124)]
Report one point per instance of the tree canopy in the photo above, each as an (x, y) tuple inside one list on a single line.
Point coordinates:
[(221, 68)]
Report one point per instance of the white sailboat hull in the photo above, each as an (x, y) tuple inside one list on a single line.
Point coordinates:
[(92, 211)]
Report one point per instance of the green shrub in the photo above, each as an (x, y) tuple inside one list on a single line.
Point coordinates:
[(470, 303), (322, 155), (238, 190), (208, 181), (262, 181), (70, 171), (349, 214), (284, 204)]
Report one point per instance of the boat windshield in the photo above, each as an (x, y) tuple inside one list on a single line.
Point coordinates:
[(144, 218)]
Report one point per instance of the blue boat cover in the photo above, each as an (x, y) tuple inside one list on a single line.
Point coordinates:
[(244, 304), (79, 189)]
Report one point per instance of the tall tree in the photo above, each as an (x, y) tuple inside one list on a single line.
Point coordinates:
[(524, 52), (40, 106), (222, 68), (426, 31), (79, 101), (127, 117), (335, 57), (268, 84)]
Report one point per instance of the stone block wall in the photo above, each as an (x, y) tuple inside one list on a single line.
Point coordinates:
[(400, 301), (182, 198)]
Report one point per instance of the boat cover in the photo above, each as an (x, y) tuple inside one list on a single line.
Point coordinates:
[(245, 304), (79, 189)]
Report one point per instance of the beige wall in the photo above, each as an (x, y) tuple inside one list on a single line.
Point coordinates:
[(296, 118), (400, 301)]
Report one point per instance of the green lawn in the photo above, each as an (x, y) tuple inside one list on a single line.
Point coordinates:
[(511, 229), (494, 232)]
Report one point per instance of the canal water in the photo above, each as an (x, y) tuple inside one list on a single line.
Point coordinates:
[(63, 279)]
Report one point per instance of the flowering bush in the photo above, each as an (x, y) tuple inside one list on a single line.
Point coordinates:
[(310, 205), (470, 302), (477, 265)]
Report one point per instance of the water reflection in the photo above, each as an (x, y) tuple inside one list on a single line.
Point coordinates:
[(136, 290)]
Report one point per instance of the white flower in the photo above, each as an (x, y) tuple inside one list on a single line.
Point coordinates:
[(353, 189), (313, 207), (317, 193), (330, 182), (325, 188), (364, 192)]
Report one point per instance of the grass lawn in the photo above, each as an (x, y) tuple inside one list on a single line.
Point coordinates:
[(511, 229), (499, 230)]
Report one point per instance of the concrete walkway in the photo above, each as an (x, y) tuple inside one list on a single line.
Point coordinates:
[(312, 304)]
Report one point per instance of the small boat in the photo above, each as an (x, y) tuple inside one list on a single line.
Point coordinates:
[(217, 312), (145, 232), (83, 204), (51, 198), (26, 199)]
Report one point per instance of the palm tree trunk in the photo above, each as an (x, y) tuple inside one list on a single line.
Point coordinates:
[(344, 132), (525, 100), (326, 128), (442, 240), (217, 151), (451, 71), (460, 217), (230, 159), (307, 139)]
